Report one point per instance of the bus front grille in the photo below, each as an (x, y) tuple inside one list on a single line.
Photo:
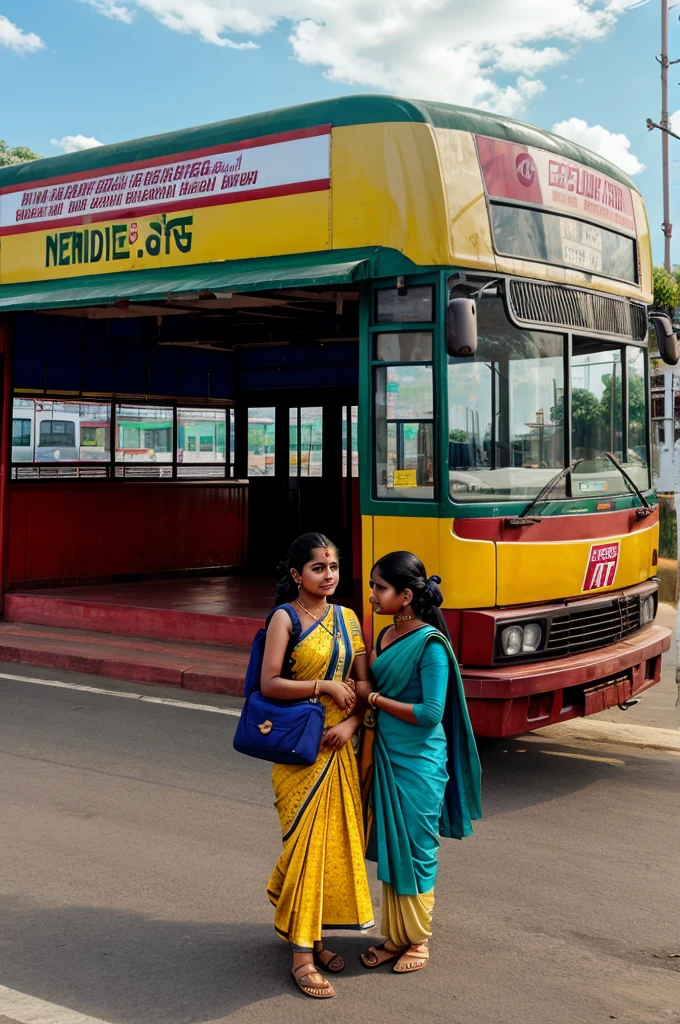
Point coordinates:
[(589, 629), (533, 302)]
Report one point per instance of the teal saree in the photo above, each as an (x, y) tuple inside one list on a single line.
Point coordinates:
[(427, 776)]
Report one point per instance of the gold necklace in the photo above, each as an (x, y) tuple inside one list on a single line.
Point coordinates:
[(317, 618)]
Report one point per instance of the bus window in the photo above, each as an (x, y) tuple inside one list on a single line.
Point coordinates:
[(21, 433), (636, 458), (57, 432), (506, 433), (404, 413), (306, 441), (413, 305)]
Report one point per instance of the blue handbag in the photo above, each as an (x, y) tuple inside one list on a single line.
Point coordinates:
[(282, 731)]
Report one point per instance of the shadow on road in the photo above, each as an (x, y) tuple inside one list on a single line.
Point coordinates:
[(527, 771), (129, 967)]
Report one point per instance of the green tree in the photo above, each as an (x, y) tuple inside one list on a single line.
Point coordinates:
[(666, 290), (16, 154)]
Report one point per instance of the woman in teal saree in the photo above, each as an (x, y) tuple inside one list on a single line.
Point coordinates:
[(426, 781)]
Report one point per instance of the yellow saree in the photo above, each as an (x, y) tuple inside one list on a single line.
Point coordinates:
[(320, 878)]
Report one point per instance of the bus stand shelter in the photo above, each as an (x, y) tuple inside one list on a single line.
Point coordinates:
[(214, 340)]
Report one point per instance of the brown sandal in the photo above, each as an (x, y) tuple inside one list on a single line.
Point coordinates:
[(334, 965), (414, 959), (313, 989), (373, 952)]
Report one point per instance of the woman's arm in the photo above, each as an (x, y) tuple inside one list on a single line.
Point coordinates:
[(272, 683), (434, 675), (338, 735)]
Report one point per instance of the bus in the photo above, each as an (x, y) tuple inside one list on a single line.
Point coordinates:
[(429, 327)]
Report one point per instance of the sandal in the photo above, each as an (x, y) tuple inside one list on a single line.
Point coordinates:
[(311, 988), (414, 959), (374, 951), (335, 964)]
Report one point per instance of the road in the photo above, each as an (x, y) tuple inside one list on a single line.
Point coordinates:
[(136, 846)]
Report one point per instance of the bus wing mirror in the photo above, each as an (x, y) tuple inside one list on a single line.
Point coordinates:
[(461, 327), (666, 338)]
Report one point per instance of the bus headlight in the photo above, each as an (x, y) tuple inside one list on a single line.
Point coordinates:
[(511, 640), (525, 639), (647, 609)]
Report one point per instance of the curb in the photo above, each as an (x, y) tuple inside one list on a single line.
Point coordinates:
[(612, 732)]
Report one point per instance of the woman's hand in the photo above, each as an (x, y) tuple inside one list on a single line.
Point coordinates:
[(363, 690), (338, 735), (341, 693)]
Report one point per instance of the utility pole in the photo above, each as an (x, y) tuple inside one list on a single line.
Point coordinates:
[(667, 227)]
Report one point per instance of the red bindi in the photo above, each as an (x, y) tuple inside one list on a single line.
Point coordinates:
[(327, 553)]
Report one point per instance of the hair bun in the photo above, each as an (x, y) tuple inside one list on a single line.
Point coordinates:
[(434, 579)]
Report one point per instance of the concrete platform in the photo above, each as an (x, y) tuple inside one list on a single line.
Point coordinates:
[(207, 668), (224, 610)]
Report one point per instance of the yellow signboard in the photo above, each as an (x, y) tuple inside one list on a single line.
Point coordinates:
[(405, 478)]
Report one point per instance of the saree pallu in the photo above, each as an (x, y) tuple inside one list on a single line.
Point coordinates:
[(320, 878), (426, 781)]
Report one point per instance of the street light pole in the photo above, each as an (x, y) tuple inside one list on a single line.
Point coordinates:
[(667, 227)]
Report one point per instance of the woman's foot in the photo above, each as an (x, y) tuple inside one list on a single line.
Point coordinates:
[(375, 956), (309, 981), (332, 962), (414, 959)]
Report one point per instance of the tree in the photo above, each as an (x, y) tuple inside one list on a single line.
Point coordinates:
[(16, 154), (666, 290)]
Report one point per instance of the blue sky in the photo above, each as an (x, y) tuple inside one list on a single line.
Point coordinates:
[(115, 69)]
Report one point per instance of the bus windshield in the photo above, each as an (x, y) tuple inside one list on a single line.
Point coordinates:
[(507, 416)]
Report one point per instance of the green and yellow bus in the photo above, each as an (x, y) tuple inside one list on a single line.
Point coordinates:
[(458, 297)]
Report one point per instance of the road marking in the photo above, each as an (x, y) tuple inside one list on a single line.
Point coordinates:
[(25, 1009), (169, 701)]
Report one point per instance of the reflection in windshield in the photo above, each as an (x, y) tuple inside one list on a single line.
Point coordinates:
[(506, 435), (507, 416)]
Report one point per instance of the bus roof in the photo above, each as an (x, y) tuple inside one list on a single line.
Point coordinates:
[(340, 112)]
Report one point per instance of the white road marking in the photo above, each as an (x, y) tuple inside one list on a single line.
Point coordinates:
[(169, 701), (29, 1010)]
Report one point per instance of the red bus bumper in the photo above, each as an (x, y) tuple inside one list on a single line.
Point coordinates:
[(514, 699)]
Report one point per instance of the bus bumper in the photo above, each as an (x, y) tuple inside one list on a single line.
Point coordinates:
[(514, 699)]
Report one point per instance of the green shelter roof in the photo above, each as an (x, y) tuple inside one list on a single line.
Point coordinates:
[(299, 270), (339, 112)]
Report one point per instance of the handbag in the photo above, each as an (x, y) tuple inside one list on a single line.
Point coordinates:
[(282, 731)]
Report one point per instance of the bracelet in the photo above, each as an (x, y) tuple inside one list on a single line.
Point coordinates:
[(373, 698), (317, 688)]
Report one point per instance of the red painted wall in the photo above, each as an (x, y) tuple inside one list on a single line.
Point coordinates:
[(96, 529)]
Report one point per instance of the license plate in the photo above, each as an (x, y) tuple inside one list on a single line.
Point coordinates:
[(607, 695)]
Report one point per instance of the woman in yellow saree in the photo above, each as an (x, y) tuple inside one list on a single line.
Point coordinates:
[(320, 878)]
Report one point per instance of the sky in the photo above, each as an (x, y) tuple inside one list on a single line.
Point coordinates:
[(75, 73)]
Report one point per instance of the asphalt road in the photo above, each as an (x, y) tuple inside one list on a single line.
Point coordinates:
[(135, 847)]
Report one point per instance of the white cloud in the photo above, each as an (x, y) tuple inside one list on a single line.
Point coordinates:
[(16, 39), (111, 9), (438, 49), (611, 145), (675, 122), (75, 143)]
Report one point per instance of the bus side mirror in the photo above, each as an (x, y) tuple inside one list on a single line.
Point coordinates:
[(666, 338), (461, 327)]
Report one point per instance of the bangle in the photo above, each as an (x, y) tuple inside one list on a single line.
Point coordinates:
[(373, 698), (317, 687)]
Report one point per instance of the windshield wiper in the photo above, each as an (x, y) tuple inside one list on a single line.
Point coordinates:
[(524, 518), (646, 509)]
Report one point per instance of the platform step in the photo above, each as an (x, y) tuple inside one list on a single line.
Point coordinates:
[(194, 666), (130, 620)]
